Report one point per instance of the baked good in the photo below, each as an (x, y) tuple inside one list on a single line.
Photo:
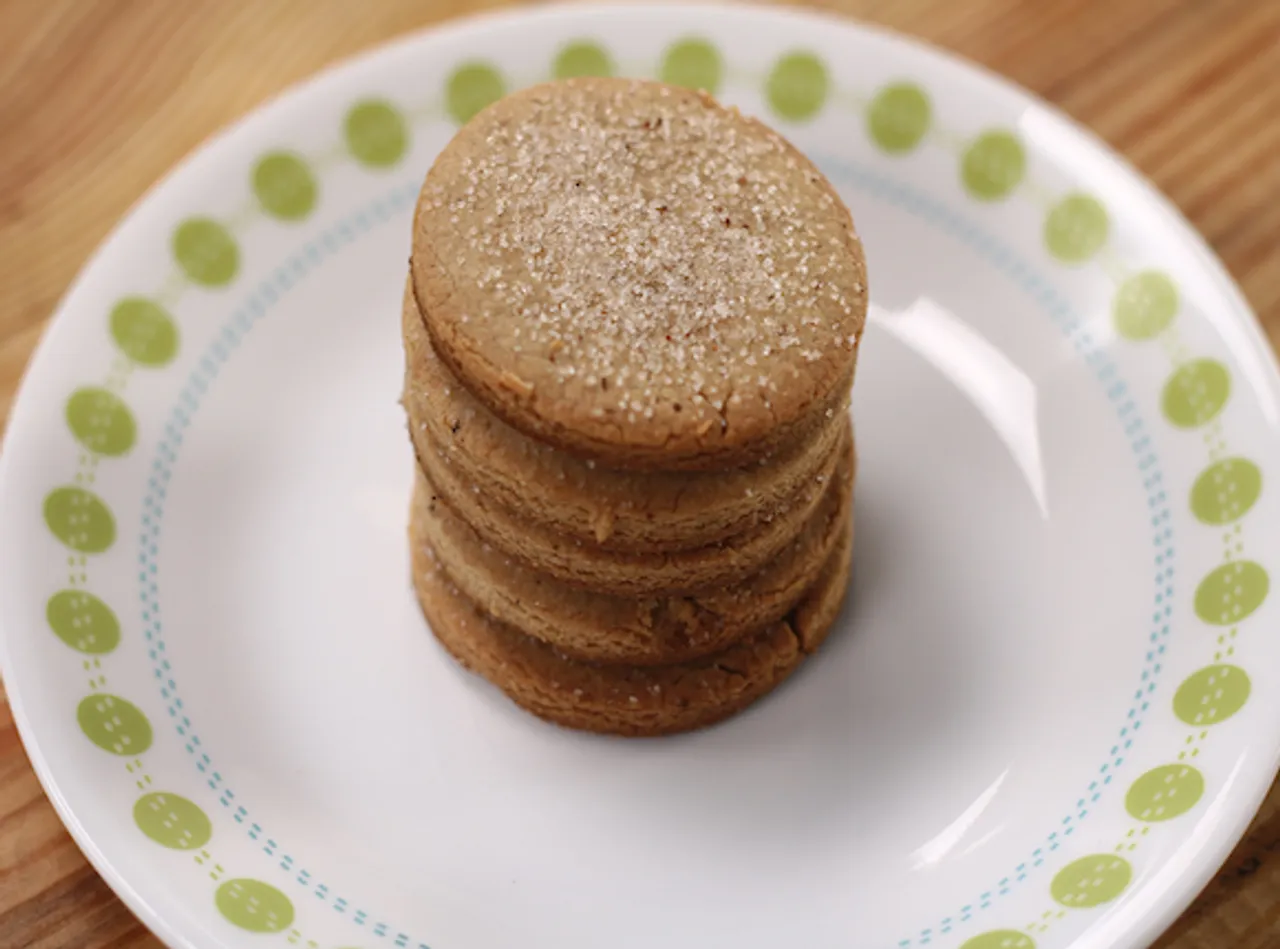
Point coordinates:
[(623, 572), (626, 699), (599, 627), (619, 510), (635, 274), (631, 325)]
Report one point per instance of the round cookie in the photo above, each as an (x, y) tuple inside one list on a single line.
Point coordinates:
[(626, 573), (627, 700), (621, 510), (596, 627), (634, 273)]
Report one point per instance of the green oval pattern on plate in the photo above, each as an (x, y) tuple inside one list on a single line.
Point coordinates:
[(797, 87), (1001, 939), (899, 117), (80, 520), (1145, 305), (1212, 695), (694, 64), (1164, 793), (582, 58), (144, 331), (114, 724), (172, 821), (993, 165), (206, 252), (1196, 392), (1231, 592), (376, 133), (254, 906), (1226, 490), (83, 622), (1091, 881), (100, 421), (1076, 228), (284, 186), (472, 88)]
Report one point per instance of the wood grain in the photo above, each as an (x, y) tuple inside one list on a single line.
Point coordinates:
[(99, 99)]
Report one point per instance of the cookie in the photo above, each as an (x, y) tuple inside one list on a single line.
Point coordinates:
[(634, 273), (627, 573), (621, 699), (621, 510), (596, 627)]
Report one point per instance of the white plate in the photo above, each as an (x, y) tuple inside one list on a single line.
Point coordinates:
[(1047, 713)]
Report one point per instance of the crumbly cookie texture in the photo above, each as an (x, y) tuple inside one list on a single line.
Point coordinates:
[(635, 273), (627, 573), (622, 699), (640, 511), (589, 626)]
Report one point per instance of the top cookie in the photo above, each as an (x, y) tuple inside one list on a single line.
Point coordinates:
[(634, 273)]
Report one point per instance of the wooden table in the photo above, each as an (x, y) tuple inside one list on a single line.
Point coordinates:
[(98, 99)]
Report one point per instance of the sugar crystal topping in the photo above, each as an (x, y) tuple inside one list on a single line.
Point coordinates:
[(644, 249)]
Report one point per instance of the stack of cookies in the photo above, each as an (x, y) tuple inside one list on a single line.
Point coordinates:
[(630, 326)]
